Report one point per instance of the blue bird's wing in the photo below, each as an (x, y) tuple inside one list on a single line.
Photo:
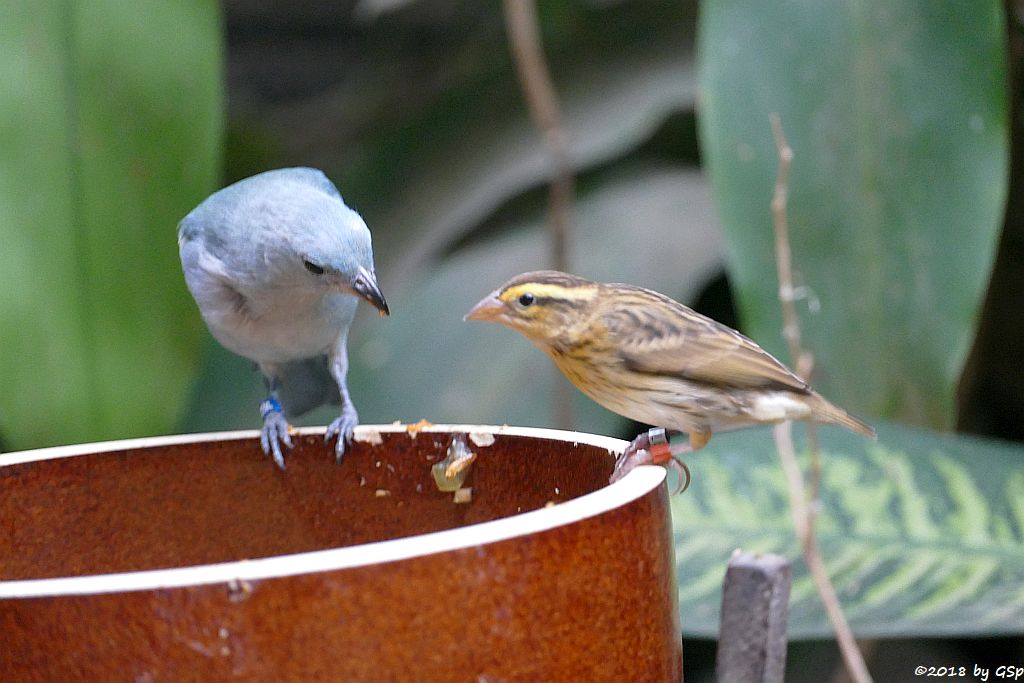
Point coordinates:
[(306, 384)]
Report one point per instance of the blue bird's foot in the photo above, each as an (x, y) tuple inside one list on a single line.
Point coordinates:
[(275, 431), (342, 427)]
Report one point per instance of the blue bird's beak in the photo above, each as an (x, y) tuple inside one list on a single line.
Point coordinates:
[(365, 285)]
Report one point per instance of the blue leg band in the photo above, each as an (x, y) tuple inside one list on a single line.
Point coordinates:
[(270, 406)]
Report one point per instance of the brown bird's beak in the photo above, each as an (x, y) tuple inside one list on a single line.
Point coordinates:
[(489, 308), (365, 285)]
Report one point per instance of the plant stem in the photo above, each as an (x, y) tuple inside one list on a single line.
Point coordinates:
[(535, 79), (804, 512)]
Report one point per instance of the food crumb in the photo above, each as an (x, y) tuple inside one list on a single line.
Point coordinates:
[(550, 504), (382, 493), (464, 495), (368, 435), (482, 439), (362, 481), (449, 474), (414, 429), (238, 590), (457, 465)]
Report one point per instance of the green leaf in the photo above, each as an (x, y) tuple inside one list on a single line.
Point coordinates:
[(922, 534), (611, 104), (898, 118), (111, 119)]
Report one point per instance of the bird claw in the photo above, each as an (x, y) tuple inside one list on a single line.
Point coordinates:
[(639, 452), (624, 466), (682, 474), (342, 427), (274, 432)]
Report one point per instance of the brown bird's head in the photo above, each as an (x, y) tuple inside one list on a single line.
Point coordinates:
[(546, 306)]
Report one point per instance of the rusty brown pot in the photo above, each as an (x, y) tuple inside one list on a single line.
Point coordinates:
[(194, 558)]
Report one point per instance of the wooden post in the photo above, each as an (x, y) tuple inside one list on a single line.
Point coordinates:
[(752, 632)]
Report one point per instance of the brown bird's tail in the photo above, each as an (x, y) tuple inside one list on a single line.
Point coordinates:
[(823, 411)]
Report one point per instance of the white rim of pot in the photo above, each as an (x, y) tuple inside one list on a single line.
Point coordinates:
[(634, 485)]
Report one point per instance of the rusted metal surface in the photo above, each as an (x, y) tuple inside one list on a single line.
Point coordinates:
[(592, 600)]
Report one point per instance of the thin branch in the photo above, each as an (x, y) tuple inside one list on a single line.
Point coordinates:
[(542, 102), (795, 479), (535, 79), (803, 360), (783, 254), (804, 512), (803, 516)]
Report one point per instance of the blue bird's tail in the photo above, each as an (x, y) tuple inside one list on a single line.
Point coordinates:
[(306, 384)]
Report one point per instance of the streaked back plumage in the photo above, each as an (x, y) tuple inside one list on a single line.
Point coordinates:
[(648, 357)]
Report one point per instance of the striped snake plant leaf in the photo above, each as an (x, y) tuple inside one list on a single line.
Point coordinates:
[(922, 534)]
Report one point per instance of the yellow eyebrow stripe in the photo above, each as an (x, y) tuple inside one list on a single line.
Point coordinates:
[(548, 291)]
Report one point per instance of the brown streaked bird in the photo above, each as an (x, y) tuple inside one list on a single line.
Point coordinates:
[(647, 357)]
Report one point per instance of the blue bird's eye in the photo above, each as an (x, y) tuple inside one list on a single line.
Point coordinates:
[(527, 299), (313, 268)]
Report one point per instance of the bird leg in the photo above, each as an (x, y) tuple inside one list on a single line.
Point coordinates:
[(275, 429), (660, 447), (343, 427)]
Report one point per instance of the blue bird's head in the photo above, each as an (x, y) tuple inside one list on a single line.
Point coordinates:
[(323, 243)]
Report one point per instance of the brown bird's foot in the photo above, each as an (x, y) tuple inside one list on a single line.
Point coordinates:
[(643, 450), (638, 449), (654, 447)]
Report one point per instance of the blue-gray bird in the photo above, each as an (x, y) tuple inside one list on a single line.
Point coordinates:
[(277, 263)]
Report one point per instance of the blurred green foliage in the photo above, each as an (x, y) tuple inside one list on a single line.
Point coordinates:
[(898, 117), (110, 120)]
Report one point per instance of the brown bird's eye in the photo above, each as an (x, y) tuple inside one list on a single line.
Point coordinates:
[(313, 268), (526, 299)]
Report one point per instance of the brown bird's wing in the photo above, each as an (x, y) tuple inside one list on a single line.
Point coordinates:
[(691, 346)]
